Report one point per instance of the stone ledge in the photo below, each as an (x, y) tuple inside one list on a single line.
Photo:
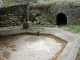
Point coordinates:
[(70, 51)]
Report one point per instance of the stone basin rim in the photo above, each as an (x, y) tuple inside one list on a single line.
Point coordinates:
[(70, 51)]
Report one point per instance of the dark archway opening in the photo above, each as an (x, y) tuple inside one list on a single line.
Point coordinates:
[(61, 19)]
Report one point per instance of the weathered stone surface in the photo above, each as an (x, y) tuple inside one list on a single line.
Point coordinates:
[(70, 9), (1, 2), (70, 51), (10, 20), (27, 24)]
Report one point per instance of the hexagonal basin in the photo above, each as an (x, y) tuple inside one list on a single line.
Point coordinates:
[(30, 47)]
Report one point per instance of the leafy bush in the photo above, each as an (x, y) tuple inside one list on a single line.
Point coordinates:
[(48, 17), (5, 3)]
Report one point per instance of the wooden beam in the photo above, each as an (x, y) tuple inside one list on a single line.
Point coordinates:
[(26, 10)]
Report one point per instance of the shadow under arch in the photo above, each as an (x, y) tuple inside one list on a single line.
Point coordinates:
[(61, 19)]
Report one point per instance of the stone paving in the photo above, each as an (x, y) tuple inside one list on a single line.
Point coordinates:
[(71, 50), (30, 47)]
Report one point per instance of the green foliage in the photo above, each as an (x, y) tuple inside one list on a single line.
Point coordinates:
[(48, 17), (72, 28), (5, 3), (75, 29)]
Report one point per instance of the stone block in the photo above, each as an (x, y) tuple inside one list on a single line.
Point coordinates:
[(27, 25)]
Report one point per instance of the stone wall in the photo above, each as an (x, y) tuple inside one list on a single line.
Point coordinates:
[(70, 9)]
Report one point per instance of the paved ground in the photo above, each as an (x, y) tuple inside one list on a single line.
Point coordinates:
[(71, 50), (28, 47)]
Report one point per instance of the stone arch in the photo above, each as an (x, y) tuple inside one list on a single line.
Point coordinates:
[(61, 19)]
